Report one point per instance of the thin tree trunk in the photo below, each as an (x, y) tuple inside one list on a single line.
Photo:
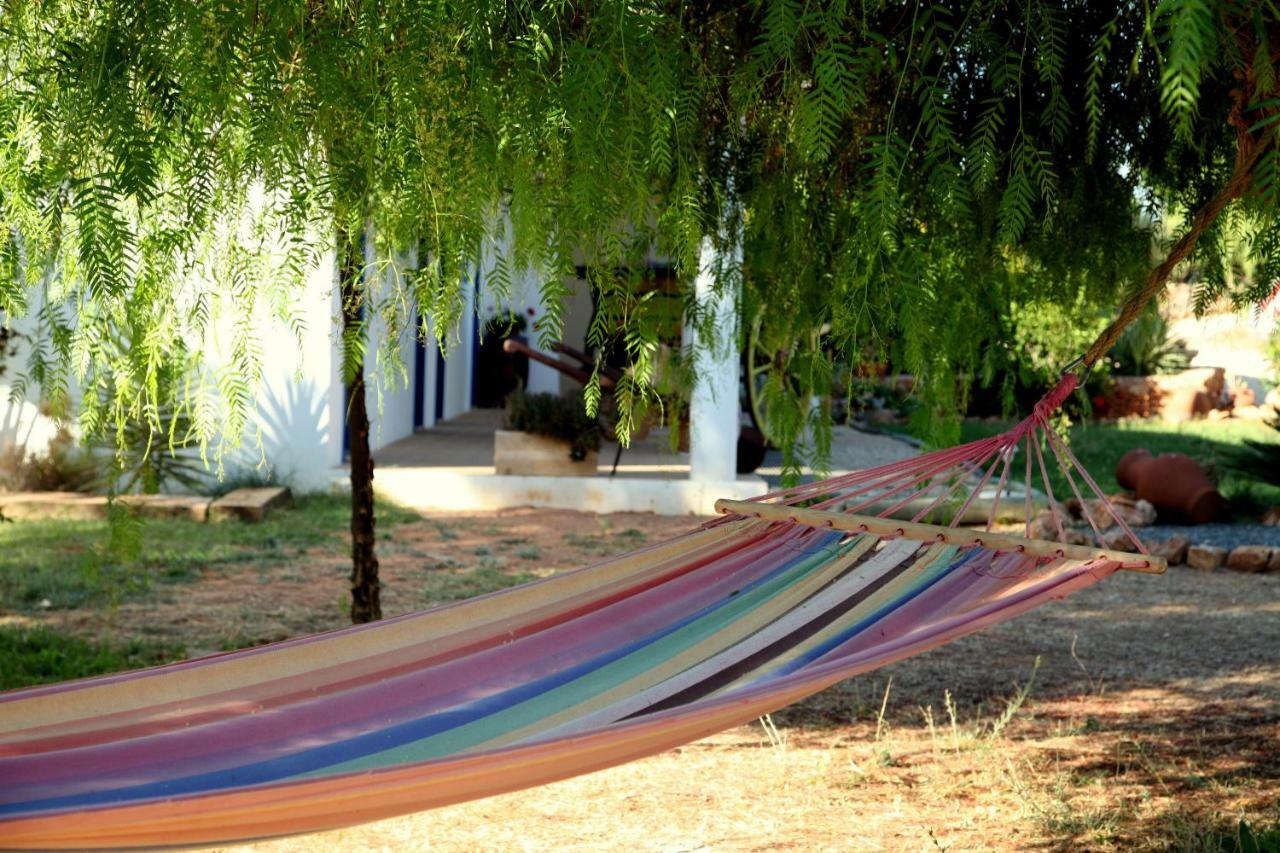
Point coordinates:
[(366, 604)]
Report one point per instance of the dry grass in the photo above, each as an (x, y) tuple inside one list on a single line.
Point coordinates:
[(1153, 721)]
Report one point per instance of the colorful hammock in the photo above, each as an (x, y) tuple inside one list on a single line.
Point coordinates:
[(781, 597)]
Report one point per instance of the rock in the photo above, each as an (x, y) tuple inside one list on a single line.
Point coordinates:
[(1117, 540), (1206, 558), (882, 417), (1132, 397), (1274, 564), (1135, 513), (1173, 549), (1191, 393), (1042, 526), (1271, 518), (1249, 558), (249, 504), (1045, 528), (1242, 394), (1254, 413)]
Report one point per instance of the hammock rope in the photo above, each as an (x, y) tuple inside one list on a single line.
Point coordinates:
[(776, 598)]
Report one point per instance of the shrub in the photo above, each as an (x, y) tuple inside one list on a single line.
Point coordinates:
[(554, 416), (8, 344), (1148, 347), (1259, 460), (65, 467)]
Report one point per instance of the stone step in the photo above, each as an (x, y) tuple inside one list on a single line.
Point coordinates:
[(78, 506), (249, 504), (42, 505), (194, 507)]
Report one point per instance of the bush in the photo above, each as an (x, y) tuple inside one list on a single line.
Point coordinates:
[(1259, 460), (1148, 347), (66, 467), (554, 416), (37, 655)]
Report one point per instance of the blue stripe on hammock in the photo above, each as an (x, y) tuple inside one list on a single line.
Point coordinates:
[(317, 758), (849, 633)]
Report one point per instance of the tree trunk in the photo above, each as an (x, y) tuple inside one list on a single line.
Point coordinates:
[(366, 604)]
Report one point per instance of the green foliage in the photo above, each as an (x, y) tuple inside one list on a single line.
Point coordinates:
[(1259, 459), (555, 416), (1148, 347), (504, 324), (38, 655), (1213, 444), (898, 175), (77, 563), (63, 467), (8, 344)]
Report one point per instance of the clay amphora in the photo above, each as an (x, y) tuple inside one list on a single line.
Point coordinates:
[(1174, 483)]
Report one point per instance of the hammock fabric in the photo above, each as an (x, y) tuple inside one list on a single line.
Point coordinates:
[(781, 597)]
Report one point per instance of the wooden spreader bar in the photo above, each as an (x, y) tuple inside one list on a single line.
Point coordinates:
[(934, 533)]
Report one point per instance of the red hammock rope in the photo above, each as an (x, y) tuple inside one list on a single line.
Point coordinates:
[(938, 479)]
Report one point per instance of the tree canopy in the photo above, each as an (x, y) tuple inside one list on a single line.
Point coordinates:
[(903, 171), (950, 186)]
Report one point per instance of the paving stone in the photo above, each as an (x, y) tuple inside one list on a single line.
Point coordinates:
[(1173, 549), (1249, 558), (194, 507), (1206, 558), (41, 505), (249, 504)]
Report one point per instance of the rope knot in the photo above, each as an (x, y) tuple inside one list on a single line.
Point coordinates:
[(1057, 395)]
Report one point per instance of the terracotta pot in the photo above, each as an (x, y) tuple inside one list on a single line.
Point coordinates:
[(1174, 483)]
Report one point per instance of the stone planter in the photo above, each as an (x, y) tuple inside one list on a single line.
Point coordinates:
[(1175, 397), (528, 454)]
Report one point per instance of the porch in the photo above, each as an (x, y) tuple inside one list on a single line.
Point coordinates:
[(450, 467)]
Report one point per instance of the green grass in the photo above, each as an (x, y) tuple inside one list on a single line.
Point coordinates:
[(438, 587), (58, 564), (1100, 446), (37, 655)]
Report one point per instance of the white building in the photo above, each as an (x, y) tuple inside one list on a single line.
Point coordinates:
[(302, 425)]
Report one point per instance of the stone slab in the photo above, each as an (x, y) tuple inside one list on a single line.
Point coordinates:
[(1205, 558), (249, 504), (194, 507), (51, 505), (1249, 558)]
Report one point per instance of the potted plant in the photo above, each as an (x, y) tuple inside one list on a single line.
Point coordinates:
[(547, 434)]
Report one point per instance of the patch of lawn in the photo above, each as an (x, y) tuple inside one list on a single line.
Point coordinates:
[(1099, 447), (58, 564), (37, 655), (438, 587)]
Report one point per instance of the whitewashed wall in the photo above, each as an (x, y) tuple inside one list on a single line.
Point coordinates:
[(22, 422)]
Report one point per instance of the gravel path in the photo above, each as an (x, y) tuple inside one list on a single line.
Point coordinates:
[(851, 450), (1222, 535)]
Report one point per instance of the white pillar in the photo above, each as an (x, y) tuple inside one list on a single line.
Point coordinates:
[(713, 408), (457, 365)]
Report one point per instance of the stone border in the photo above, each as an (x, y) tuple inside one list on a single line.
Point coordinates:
[(251, 505), (1179, 550)]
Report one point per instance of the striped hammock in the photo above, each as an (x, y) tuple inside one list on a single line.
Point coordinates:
[(778, 598)]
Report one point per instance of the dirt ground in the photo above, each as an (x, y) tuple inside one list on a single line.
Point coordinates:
[(1143, 713)]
